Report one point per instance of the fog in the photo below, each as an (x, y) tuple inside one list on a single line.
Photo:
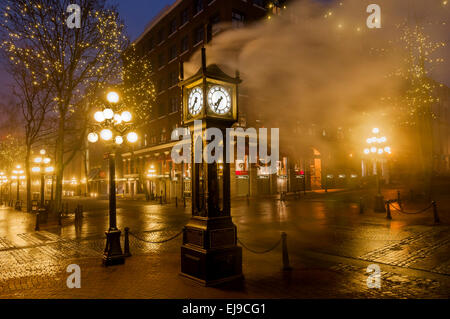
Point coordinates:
[(320, 63)]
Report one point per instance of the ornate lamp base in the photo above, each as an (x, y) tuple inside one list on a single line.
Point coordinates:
[(113, 251), (209, 254)]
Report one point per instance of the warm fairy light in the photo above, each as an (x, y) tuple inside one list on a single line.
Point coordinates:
[(366, 151), (38, 160), (375, 130), (36, 169), (42, 152)]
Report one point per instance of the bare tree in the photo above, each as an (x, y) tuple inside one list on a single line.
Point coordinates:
[(35, 34)]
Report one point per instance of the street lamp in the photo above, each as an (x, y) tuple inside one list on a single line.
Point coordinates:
[(42, 167), (112, 126), (17, 175), (3, 181), (377, 150)]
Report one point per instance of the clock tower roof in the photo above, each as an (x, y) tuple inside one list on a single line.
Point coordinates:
[(212, 71)]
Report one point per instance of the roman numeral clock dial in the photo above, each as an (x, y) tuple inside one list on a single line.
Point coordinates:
[(219, 100)]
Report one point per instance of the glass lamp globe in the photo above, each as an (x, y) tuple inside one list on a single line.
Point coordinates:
[(118, 118), (119, 140), (106, 135), (99, 117), (126, 116), (108, 114), (132, 137), (112, 97), (93, 137)]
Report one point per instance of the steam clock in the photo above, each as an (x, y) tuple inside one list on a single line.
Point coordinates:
[(210, 254)]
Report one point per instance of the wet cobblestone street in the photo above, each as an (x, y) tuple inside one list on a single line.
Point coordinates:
[(330, 247)]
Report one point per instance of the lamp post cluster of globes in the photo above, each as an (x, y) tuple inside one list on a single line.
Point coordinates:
[(377, 150), (112, 126)]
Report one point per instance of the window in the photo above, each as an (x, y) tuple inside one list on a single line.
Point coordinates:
[(260, 3), (173, 52), (163, 135), (161, 85), (173, 79), (161, 60), (160, 36), (173, 26), (214, 23), (184, 16), (199, 35), (174, 104), (161, 109), (185, 44), (150, 44), (198, 6), (238, 19)]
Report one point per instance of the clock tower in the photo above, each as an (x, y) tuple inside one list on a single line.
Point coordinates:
[(210, 254)]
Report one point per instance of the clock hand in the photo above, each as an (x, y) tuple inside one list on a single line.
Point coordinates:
[(218, 103)]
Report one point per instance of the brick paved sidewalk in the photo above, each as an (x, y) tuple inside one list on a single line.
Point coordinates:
[(39, 271)]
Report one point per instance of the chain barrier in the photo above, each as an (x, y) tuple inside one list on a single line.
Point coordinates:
[(156, 242), (259, 252), (400, 209)]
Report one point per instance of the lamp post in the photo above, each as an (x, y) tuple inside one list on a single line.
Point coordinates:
[(112, 127), (377, 151), (17, 175), (43, 167), (3, 181)]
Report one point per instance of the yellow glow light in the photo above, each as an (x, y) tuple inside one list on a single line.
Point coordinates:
[(99, 117), (126, 116), (106, 134), (93, 137), (112, 97), (132, 137)]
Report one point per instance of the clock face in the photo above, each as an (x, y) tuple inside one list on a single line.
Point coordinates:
[(219, 100), (195, 103)]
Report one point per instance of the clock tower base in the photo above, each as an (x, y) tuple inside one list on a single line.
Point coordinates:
[(209, 254)]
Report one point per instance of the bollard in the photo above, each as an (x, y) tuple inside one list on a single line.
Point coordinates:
[(248, 199), (126, 249), (36, 228), (398, 199), (184, 201), (435, 213), (361, 206), (411, 195), (160, 200), (286, 265), (176, 201), (388, 210)]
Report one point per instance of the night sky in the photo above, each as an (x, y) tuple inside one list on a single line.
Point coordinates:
[(138, 13)]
